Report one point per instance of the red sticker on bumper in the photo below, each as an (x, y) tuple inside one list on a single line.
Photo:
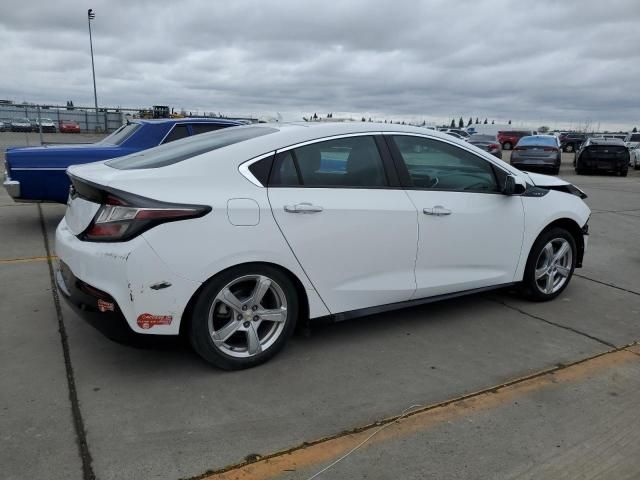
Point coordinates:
[(146, 320), (105, 306)]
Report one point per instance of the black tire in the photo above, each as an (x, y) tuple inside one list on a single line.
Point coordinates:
[(199, 334), (556, 171), (636, 167), (506, 146), (569, 148), (529, 286), (623, 173)]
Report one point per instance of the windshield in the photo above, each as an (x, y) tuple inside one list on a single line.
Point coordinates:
[(22, 120), (180, 150), (121, 134)]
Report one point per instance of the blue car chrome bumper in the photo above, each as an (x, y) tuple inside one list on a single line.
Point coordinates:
[(12, 186)]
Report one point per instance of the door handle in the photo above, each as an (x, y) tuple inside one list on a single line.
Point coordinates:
[(303, 208), (437, 211)]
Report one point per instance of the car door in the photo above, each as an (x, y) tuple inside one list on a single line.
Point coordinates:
[(470, 234), (351, 226)]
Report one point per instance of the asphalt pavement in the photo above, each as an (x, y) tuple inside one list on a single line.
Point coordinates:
[(488, 386)]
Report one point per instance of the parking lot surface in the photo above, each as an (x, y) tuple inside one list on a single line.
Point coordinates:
[(488, 386)]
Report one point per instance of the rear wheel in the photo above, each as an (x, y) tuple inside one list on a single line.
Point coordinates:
[(506, 146), (550, 265), (623, 173), (244, 316), (569, 148)]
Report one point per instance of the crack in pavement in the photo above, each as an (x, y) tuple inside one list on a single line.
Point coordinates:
[(78, 422), (564, 327), (607, 284)]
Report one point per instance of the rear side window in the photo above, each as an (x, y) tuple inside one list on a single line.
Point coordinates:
[(180, 150), (345, 162), (178, 132), (436, 165), (198, 128)]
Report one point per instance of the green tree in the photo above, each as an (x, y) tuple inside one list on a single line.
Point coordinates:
[(453, 123), (635, 130), (470, 121), (461, 123), (486, 121), (477, 121), (509, 122), (543, 129)]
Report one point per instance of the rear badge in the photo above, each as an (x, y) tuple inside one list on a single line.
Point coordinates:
[(146, 320), (104, 306)]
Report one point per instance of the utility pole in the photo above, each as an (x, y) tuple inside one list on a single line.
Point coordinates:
[(91, 16)]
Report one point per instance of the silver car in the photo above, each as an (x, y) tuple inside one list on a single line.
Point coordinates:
[(537, 152)]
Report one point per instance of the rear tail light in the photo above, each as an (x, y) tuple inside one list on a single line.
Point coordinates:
[(123, 217), (550, 149), (493, 146)]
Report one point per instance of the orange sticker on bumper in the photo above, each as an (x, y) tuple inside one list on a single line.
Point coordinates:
[(105, 306), (146, 320)]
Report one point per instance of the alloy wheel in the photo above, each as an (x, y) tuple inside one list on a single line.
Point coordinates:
[(247, 316), (553, 266)]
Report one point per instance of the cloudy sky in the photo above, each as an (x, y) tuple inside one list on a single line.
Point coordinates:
[(559, 63)]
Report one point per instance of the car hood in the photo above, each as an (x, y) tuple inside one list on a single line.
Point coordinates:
[(540, 180)]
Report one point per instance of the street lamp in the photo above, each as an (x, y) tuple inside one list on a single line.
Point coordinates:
[(91, 16)]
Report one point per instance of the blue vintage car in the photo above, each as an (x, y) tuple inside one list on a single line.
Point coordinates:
[(39, 173)]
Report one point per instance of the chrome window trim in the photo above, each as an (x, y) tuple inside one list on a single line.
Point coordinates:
[(243, 168), (37, 168)]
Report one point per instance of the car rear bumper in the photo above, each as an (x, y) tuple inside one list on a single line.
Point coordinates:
[(122, 281), (535, 163), (604, 165), (11, 186)]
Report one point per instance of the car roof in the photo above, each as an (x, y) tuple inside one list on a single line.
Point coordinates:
[(219, 121), (298, 132)]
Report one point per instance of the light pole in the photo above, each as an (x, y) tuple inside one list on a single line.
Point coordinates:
[(91, 16)]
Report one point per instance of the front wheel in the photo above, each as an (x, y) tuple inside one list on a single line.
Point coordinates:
[(244, 316), (550, 265)]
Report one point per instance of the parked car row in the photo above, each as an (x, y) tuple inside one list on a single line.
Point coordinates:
[(23, 124)]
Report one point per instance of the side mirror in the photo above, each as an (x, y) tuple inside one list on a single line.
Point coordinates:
[(514, 186)]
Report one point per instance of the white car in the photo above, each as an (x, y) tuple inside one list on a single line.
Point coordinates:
[(231, 237), (634, 154)]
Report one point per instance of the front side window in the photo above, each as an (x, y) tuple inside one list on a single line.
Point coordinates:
[(433, 164), (343, 162)]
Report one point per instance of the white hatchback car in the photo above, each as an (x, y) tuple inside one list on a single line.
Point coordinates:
[(231, 237)]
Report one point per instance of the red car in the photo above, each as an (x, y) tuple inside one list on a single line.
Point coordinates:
[(508, 138), (69, 126)]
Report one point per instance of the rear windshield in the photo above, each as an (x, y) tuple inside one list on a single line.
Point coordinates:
[(121, 134), (524, 141), (180, 150)]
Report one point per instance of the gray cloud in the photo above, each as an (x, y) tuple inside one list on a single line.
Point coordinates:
[(548, 61)]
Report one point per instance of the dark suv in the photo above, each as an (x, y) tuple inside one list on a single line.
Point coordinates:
[(508, 138), (571, 142), (602, 154)]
